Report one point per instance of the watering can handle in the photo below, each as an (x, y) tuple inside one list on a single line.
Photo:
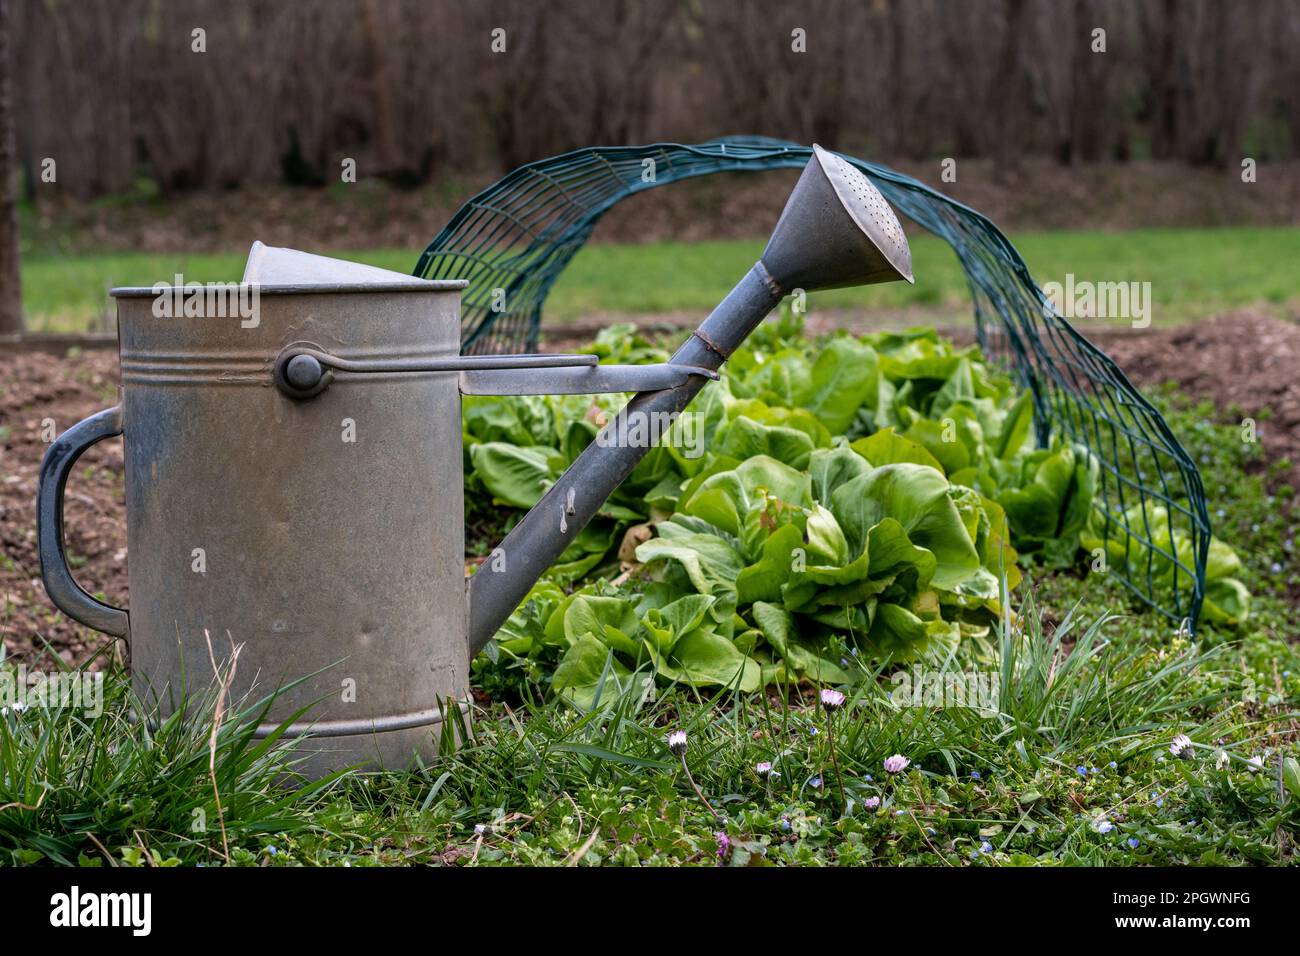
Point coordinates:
[(68, 596)]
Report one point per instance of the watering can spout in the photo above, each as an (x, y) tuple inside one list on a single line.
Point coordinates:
[(836, 230)]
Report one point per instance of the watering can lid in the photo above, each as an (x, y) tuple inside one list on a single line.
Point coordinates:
[(275, 269), (273, 265)]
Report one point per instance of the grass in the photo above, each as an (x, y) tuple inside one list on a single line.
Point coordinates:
[(74, 782), (1193, 273), (1071, 765)]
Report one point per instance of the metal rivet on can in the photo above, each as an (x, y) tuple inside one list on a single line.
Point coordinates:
[(303, 371)]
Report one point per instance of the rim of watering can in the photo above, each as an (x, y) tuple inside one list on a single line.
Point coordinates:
[(296, 288)]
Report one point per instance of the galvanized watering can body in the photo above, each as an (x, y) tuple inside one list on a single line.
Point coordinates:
[(324, 536), (294, 477)]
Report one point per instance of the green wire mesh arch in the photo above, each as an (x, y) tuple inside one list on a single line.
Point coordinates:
[(514, 239)]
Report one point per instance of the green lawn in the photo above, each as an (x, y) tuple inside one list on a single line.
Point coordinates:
[(1193, 273)]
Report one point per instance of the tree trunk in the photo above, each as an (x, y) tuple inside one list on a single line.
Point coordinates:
[(1090, 105), (1163, 36), (1008, 93), (11, 296), (381, 89)]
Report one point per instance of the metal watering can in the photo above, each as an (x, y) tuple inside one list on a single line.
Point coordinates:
[(294, 474)]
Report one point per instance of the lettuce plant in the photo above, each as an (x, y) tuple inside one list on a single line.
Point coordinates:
[(857, 500)]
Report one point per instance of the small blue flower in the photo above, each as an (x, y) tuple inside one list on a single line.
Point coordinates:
[(1105, 826), (986, 847), (975, 774), (1276, 568), (867, 777), (1134, 843), (785, 824), (1081, 770), (272, 850), (930, 830), (815, 782), (1113, 765)]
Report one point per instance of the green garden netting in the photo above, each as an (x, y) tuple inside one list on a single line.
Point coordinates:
[(514, 239)]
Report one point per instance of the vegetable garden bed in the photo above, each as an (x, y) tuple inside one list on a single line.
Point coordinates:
[(828, 505), (1075, 767)]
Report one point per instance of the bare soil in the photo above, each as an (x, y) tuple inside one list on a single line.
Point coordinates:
[(1034, 195), (1245, 362), (40, 394)]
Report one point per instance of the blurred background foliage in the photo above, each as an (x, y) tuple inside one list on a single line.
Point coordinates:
[(414, 91)]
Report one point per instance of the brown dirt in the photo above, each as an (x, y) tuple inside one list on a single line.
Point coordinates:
[(1244, 361), (1038, 194), (35, 387)]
